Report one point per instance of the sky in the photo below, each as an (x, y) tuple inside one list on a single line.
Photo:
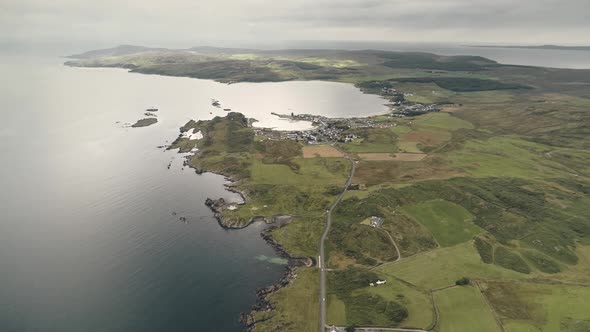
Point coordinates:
[(184, 23)]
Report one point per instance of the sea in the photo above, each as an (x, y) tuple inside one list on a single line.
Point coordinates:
[(103, 229)]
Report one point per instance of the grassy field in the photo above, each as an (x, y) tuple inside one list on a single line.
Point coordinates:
[(449, 223), (316, 172), (418, 303), (374, 140), (301, 237), (442, 267), (296, 305), (524, 306), (464, 309), (362, 307), (441, 120), (509, 156)]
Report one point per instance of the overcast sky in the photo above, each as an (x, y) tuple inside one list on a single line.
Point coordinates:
[(191, 22)]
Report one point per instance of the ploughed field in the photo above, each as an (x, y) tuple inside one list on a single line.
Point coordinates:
[(487, 200)]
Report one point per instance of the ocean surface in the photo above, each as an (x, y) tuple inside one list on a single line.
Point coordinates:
[(92, 230)]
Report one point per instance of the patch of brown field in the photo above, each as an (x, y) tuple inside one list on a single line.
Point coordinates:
[(509, 301), (374, 172), (423, 137), (392, 157), (451, 109), (340, 261), (323, 151)]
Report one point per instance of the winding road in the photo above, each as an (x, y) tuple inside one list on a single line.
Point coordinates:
[(321, 263)]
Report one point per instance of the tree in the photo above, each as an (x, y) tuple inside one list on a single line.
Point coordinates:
[(463, 281)]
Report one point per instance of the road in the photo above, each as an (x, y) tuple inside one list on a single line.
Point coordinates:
[(321, 263), (380, 329), (399, 254)]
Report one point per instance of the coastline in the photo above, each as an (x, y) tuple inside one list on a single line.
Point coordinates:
[(217, 206)]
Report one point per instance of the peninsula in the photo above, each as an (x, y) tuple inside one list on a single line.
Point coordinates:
[(539, 47), (465, 208)]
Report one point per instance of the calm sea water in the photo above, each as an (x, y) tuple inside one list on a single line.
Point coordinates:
[(90, 231)]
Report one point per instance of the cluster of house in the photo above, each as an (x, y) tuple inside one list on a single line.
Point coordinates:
[(325, 129), (376, 222), (414, 109)]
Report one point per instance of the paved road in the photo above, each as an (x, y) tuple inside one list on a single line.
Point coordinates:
[(321, 263), (379, 329)]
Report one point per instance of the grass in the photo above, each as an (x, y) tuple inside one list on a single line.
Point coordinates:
[(335, 311), (441, 120), (509, 156), (339, 63), (296, 306), (316, 172), (465, 84), (464, 309), (580, 272), (510, 260), (408, 146), (418, 303), (367, 245), (449, 223), (524, 306), (301, 237), (442, 267), (362, 307), (372, 140)]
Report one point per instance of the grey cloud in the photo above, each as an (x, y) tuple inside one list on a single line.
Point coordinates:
[(190, 22)]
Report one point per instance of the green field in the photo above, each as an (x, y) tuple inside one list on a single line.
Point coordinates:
[(441, 120), (361, 306), (335, 311), (418, 303), (449, 223), (509, 156), (464, 309), (526, 306), (442, 267), (310, 172), (296, 305)]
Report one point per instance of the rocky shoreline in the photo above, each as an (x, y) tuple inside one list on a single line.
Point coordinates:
[(263, 304), (217, 206)]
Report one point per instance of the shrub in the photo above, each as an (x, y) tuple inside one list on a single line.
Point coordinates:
[(463, 281), (485, 250), (510, 260)]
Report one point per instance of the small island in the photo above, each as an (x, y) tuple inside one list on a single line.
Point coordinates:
[(144, 122)]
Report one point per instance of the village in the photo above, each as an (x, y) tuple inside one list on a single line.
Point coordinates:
[(327, 130)]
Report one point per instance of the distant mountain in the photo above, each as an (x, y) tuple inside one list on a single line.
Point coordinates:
[(540, 47), (115, 51)]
